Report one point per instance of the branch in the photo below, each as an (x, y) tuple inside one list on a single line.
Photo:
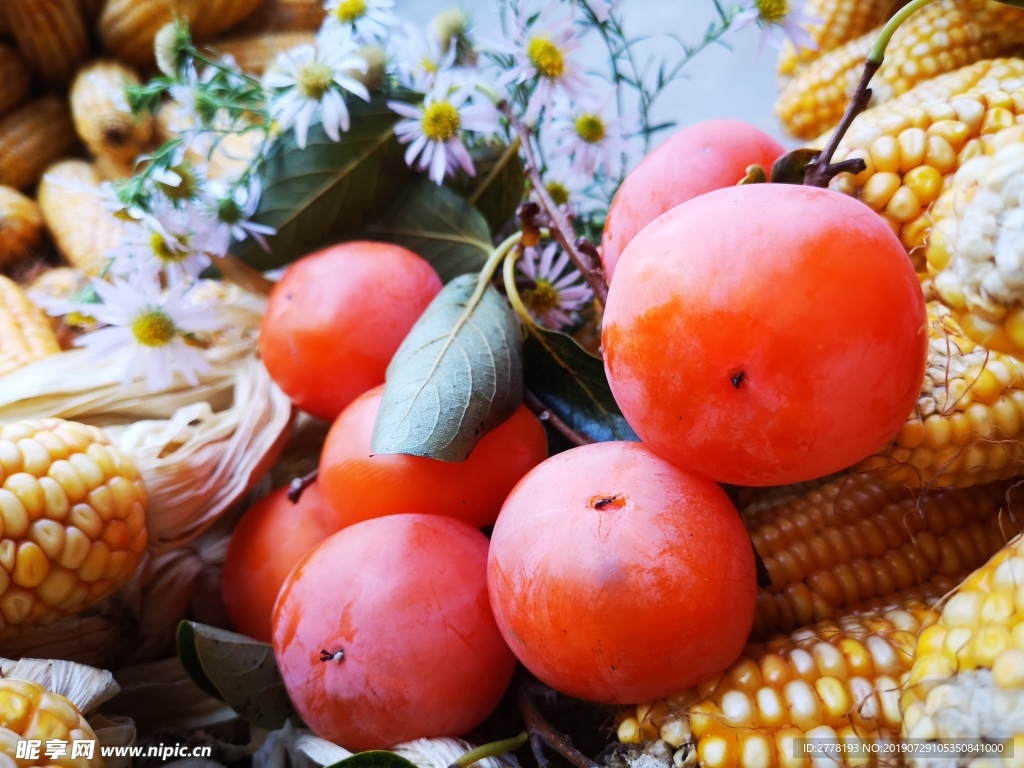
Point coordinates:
[(822, 171), (548, 417), (542, 732), (561, 230), (298, 486)]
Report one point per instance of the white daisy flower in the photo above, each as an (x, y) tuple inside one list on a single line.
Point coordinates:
[(369, 21), (602, 8), (168, 241), (421, 58), (434, 129), (594, 139), (542, 51), (557, 288), (151, 328), (310, 81), (778, 19), (570, 190), (231, 209)]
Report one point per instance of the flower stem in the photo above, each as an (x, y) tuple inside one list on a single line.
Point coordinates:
[(493, 749), (561, 229), (822, 171), (508, 274), (543, 733), (510, 152)]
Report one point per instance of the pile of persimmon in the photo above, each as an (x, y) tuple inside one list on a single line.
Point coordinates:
[(754, 335)]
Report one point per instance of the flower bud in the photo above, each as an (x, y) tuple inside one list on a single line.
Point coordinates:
[(171, 46)]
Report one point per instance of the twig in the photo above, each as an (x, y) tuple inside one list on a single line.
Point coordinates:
[(561, 229), (297, 486), (822, 171), (548, 417), (543, 733), (493, 749)]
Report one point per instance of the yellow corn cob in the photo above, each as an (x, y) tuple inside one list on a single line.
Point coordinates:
[(967, 680), (25, 333), (968, 425), (840, 22), (51, 35), (102, 117), (73, 511), (31, 138), (942, 37), (976, 249), (254, 52), (286, 16), (30, 712), (15, 79), (128, 27), (85, 231), (857, 538), (21, 226), (912, 150), (834, 681)]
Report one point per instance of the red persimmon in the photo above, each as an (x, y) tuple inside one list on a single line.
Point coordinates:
[(617, 577), (361, 485), (336, 318), (270, 539), (384, 633), (691, 162), (766, 334)]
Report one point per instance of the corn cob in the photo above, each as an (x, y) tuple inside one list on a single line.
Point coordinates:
[(25, 333), (51, 36), (102, 117), (857, 538), (254, 52), (70, 200), (912, 150), (942, 37), (835, 680), (976, 249), (73, 510), (286, 16), (214, 17), (15, 79), (840, 22), (30, 712), (31, 138), (968, 425), (90, 11), (967, 680), (21, 226)]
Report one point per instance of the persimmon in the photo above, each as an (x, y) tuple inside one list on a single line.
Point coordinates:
[(766, 334), (337, 317), (691, 162), (384, 633), (361, 485), (267, 543), (619, 578)]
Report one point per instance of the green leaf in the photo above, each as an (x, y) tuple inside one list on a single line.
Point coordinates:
[(499, 184), (572, 383), (457, 375), (440, 226), (238, 670), (374, 759), (314, 195), (791, 168)]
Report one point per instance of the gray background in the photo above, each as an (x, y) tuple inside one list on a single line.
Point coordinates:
[(719, 82)]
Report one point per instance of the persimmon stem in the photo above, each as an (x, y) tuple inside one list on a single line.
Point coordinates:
[(561, 228), (545, 414), (821, 172), (298, 486), (542, 733), (493, 749)]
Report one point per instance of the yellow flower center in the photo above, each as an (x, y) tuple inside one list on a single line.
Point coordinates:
[(543, 297), (440, 121), (772, 11), (590, 128), (559, 192), (428, 65), (349, 11), (546, 57), (313, 79), (163, 251), (154, 328)]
